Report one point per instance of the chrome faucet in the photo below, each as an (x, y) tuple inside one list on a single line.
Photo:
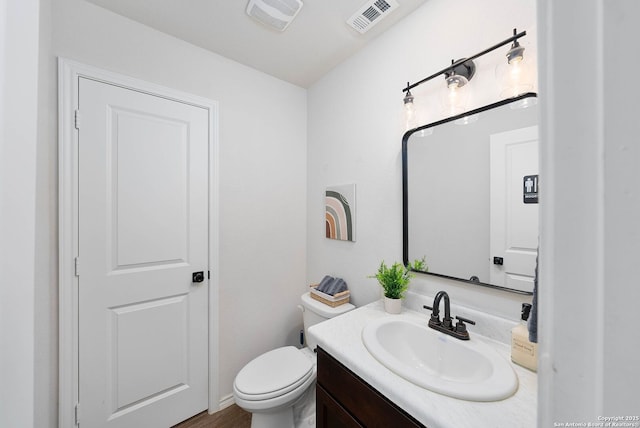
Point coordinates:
[(459, 331)]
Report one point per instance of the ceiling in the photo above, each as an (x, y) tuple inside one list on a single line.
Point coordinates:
[(315, 42)]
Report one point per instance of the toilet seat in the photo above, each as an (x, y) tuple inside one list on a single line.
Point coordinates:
[(273, 374), (278, 388)]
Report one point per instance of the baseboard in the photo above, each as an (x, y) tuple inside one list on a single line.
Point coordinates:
[(226, 401)]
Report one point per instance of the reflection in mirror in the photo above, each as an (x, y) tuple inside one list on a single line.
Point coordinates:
[(470, 195)]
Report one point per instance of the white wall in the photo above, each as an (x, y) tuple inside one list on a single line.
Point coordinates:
[(262, 139), (590, 157), (18, 134), (355, 132)]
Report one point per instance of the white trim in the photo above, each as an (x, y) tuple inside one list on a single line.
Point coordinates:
[(214, 259), (573, 225), (68, 245), (226, 401), (69, 73), (22, 332)]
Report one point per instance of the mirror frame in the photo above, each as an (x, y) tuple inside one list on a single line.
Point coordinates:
[(405, 187)]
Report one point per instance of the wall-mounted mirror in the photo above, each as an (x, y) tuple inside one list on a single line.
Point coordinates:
[(470, 187)]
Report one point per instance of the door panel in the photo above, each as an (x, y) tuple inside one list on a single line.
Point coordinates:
[(147, 199), (143, 230), (513, 224), (138, 375)]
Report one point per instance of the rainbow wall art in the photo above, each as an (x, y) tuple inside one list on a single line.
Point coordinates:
[(340, 212)]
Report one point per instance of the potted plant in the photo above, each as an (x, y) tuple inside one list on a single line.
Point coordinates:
[(395, 281)]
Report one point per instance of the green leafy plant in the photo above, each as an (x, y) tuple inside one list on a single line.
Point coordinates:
[(395, 279), (419, 265)]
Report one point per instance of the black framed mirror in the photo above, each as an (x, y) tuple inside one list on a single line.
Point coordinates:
[(470, 186)]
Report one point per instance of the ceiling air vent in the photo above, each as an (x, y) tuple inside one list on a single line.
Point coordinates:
[(370, 14), (276, 14)]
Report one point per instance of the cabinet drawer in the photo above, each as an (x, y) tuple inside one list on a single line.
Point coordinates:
[(364, 403)]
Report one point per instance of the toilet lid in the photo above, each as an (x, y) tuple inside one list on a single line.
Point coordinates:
[(273, 374)]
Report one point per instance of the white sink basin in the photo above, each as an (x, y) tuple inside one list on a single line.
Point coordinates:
[(466, 369)]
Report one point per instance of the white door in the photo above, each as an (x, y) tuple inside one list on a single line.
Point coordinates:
[(143, 232), (513, 223)]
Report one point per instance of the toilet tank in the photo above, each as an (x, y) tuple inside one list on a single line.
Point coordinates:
[(314, 312)]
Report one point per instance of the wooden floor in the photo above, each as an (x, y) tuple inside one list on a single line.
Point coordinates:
[(231, 417)]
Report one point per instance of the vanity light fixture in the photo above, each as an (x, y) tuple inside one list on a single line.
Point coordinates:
[(515, 76), (409, 111), (458, 74), (455, 95), (411, 117), (516, 53)]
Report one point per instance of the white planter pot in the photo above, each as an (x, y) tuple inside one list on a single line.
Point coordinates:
[(392, 306)]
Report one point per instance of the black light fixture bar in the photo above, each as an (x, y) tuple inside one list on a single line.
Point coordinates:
[(463, 60)]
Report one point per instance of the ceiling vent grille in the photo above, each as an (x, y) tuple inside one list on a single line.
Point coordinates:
[(275, 14), (370, 14)]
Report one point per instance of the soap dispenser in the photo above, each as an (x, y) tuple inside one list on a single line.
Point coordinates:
[(523, 352)]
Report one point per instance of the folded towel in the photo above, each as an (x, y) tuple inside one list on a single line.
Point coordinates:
[(331, 286), (532, 323), (325, 283), (337, 286)]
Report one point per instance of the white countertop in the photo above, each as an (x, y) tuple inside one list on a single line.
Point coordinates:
[(342, 338)]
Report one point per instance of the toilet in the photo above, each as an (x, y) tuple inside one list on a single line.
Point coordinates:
[(272, 384)]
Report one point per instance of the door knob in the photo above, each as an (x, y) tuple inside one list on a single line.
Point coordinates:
[(197, 276)]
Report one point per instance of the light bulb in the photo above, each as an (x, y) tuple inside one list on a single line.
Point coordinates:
[(455, 95), (410, 121), (515, 77), (409, 116)]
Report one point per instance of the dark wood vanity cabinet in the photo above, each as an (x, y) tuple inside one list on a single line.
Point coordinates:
[(345, 400)]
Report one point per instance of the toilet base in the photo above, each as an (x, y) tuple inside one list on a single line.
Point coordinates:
[(301, 415), (281, 419), (304, 411)]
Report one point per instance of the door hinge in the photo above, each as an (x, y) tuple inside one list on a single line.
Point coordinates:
[(208, 274), (77, 413), (76, 263), (76, 119)]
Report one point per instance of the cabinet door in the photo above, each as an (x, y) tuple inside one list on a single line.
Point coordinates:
[(364, 405), (330, 414)]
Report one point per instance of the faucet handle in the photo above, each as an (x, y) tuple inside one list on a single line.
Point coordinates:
[(468, 321), (461, 327), (434, 318)]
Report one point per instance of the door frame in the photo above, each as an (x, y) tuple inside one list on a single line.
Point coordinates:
[(69, 73)]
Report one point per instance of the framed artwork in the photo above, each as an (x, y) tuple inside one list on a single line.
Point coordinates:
[(340, 212)]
